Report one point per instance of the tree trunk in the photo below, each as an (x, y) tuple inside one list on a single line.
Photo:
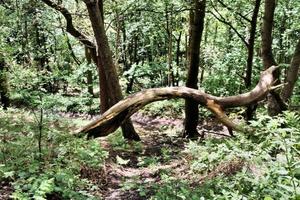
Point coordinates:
[(121, 111), (202, 61), (191, 106), (106, 66), (118, 38), (251, 42), (292, 75), (275, 103), (178, 54), (250, 109), (124, 47), (89, 74), (3, 83), (169, 19)]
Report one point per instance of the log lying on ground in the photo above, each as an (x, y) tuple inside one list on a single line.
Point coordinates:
[(116, 115)]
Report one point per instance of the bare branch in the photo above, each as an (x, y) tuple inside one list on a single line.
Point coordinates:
[(70, 27)]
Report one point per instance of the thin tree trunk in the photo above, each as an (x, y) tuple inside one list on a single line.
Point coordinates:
[(118, 38), (292, 75), (282, 29), (103, 84), (187, 51), (191, 106), (3, 83), (89, 74), (251, 43), (202, 62), (178, 53), (251, 108), (134, 59), (169, 18)]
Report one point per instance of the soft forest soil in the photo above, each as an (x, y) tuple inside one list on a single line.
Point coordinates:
[(5, 189), (157, 134), (161, 149)]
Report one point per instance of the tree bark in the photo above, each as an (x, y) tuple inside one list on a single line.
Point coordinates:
[(110, 91), (178, 55), (120, 112), (248, 78), (169, 19), (89, 74), (250, 46), (106, 65), (292, 75), (191, 106), (267, 27), (275, 103), (3, 83)]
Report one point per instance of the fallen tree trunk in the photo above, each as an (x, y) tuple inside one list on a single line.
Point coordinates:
[(116, 115)]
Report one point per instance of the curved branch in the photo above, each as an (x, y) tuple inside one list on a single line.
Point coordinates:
[(116, 115), (70, 27)]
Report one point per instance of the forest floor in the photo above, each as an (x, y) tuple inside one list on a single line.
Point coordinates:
[(135, 170), (130, 171), (163, 165)]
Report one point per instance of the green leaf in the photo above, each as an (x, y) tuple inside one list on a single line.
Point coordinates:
[(9, 174), (121, 161), (268, 198), (297, 173)]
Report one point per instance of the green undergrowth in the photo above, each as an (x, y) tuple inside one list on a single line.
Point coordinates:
[(168, 108), (57, 170), (264, 164), (58, 102)]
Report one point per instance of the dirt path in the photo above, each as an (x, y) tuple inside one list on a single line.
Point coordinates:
[(142, 166), (161, 149)]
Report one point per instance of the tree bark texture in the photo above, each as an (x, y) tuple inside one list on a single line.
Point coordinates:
[(106, 65), (191, 106), (121, 111), (169, 19), (248, 78), (275, 103), (267, 27), (110, 91), (292, 75), (251, 42), (89, 74), (3, 84)]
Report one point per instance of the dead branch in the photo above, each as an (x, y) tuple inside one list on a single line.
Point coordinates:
[(116, 115)]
